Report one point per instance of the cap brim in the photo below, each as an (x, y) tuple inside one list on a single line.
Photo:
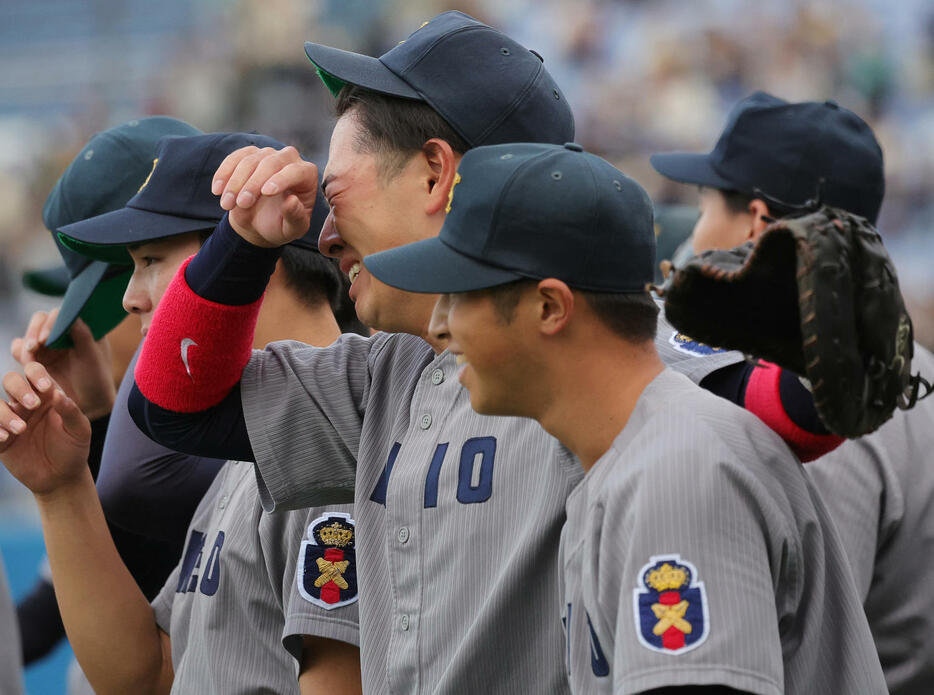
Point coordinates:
[(432, 267), (52, 282), (337, 68), (95, 296), (689, 167), (105, 237)]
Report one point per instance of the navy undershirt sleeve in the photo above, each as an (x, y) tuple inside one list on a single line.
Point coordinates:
[(229, 270), (730, 383), (218, 432)]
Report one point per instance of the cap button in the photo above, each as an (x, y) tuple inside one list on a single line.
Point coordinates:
[(832, 104), (573, 146)]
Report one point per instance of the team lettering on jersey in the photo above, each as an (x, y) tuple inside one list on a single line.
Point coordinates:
[(691, 346), (327, 568), (210, 574), (474, 472), (670, 606), (599, 664)]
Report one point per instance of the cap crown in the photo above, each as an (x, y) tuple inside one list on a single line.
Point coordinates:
[(182, 172), (552, 211), (105, 174), (487, 86), (785, 149)]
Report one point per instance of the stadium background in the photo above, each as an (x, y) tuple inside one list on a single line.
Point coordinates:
[(641, 75)]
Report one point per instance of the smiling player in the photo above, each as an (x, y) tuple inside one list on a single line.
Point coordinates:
[(696, 555)]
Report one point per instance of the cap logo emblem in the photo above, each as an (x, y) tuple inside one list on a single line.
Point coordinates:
[(154, 162), (419, 27), (457, 180)]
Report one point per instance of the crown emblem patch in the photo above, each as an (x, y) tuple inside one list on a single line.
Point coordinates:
[(670, 606), (327, 570)]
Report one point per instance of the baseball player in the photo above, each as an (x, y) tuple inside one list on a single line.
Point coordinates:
[(771, 154), (101, 178), (247, 581), (694, 552), (383, 416)]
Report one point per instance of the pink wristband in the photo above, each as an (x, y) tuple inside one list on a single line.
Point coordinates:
[(195, 349), (763, 399)]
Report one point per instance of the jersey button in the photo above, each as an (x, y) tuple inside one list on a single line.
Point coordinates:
[(425, 422), (404, 622), (437, 376), (403, 534)]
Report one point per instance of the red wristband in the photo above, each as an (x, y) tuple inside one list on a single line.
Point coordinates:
[(195, 349), (763, 399)]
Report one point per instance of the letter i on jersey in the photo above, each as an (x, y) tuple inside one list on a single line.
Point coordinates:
[(327, 569)]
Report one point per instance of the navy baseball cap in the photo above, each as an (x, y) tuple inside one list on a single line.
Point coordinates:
[(103, 177), (784, 150), (488, 87), (176, 198), (532, 211)]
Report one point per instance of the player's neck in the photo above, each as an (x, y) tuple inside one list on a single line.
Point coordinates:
[(593, 398), (285, 317)]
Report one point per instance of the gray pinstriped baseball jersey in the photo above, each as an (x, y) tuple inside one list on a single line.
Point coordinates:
[(223, 605), (697, 552), (880, 493), (11, 655), (458, 514)]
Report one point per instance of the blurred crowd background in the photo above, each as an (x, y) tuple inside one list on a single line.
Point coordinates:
[(642, 76)]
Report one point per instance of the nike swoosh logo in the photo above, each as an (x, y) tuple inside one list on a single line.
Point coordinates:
[(187, 343)]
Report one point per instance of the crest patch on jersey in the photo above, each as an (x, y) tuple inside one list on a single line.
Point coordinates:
[(694, 347), (670, 606), (327, 569)]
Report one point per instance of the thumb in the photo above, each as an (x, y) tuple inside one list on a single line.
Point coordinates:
[(295, 217), (81, 336)]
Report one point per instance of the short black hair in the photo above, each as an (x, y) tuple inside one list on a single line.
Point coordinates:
[(632, 316), (395, 128), (316, 279), (738, 202)]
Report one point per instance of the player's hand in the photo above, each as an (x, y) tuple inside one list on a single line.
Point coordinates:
[(83, 371), (269, 193), (44, 437)]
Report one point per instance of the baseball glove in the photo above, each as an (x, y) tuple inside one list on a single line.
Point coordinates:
[(818, 295)]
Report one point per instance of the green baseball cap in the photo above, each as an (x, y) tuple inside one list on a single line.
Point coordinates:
[(107, 172)]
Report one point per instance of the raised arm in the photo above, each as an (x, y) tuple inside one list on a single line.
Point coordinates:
[(44, 441), (202, 332)]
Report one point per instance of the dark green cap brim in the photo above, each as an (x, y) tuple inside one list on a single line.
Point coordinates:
[(96, 297), (52, 282), (110, 253)]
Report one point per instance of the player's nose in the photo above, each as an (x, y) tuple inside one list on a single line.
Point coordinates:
[(136, 299), (438, 325), (329, 240)]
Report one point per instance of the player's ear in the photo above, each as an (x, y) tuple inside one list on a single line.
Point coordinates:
[(759, 210), (554, 306), (441, 161)]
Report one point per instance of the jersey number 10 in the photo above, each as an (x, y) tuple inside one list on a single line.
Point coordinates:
[(474, 474)]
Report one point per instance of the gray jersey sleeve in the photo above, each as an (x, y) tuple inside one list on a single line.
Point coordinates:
[(304, 410), (306, 614), (879, 491), (659, 522), (162, 603)]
